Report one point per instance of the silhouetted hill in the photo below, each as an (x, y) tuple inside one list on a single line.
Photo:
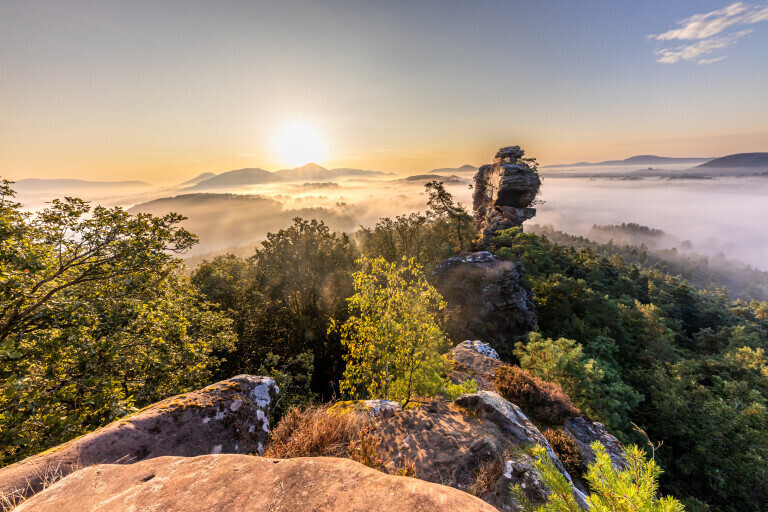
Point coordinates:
[(453, 170), (738, 160), (239, 177), (306, 172), (197, 179), (638, 160)]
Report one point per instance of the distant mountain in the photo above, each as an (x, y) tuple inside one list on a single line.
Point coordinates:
[(35, 184), (739, 160), (306, 173), (197, 179), (453, 170), (649, 160), (309, 172), (344, 171), (430, 177), (239, 177)]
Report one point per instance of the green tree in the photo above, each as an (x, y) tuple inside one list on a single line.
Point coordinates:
[(393, 337), (442, 207), (282, 301), (96, 319), (634, 489)]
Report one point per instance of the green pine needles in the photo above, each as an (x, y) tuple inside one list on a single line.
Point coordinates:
[(635, 489)]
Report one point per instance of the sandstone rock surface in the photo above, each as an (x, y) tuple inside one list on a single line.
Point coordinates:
[(231, 416), (379, 409), (504, 192), (469, 363), (244, 483), (488, 299)]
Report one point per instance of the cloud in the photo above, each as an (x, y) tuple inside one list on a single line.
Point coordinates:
[(705, 29), (704, 62), (699, 48)]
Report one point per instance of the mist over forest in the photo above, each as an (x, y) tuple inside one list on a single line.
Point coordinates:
[(719, 215)]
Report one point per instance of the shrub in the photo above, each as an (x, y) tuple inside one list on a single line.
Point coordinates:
[(313, 431), (365, 449), (636, 489), (567, 450), (542, 400)]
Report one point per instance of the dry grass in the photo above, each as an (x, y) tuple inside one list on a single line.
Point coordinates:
[(489, 472), (542, 400), (47, 475), (314, 432), (567, 450)]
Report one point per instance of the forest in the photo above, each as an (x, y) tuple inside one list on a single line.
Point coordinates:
[(99, 317)]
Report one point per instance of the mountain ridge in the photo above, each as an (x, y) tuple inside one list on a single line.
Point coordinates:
[(636, 160)]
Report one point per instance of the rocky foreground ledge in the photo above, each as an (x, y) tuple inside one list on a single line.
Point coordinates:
[(243, 483), (231, 416)]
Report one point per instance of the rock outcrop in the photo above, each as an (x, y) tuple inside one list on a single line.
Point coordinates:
[(468, 362), (379, 409), (231, 416), (486, 300), (504, 192), (242, 483)]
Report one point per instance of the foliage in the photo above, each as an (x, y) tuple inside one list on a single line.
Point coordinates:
[(314, 431), (453, 391), (365, 449), (566, 449), (393, 338), (282, 301), (541, 400), (598, 392), (444, 230), (634, 344), (93, 313), (293, 377), (635, 489)]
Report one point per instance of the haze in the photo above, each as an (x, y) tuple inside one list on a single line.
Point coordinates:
[(160, 91)]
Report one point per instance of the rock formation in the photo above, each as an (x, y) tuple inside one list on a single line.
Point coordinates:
[(242, 483), (231, 416), (485, 299), (504, 192)]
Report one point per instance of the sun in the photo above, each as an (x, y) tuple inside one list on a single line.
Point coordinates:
[(296, 144)]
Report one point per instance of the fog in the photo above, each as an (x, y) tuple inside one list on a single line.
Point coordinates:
[(719, 214), (724, 214)]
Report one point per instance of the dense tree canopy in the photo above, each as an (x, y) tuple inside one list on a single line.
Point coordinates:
[(635, 344), (96, 320)]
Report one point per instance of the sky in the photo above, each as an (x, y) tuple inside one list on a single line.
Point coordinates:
[(163, 90)]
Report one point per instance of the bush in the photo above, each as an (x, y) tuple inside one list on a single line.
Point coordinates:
[(567, 450), (314, 431), (541, 400)]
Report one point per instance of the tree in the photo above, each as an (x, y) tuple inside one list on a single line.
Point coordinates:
[(392, 337), (634, 489), (96, 319), (441, 206), (282, 301)]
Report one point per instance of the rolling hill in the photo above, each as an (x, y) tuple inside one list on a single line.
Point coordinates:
[(738, 160)]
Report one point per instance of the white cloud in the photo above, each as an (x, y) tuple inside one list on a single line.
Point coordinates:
[(705, 29), (704, 62), (699, 48)]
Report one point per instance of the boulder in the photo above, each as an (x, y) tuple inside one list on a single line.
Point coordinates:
[(512, 420), (504, 192), (379, 409), (585, 432), (486, 300), (231, 416), (469, 362), (243, 483)]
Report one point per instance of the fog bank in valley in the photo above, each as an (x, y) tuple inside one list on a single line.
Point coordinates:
[(716, 214)]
